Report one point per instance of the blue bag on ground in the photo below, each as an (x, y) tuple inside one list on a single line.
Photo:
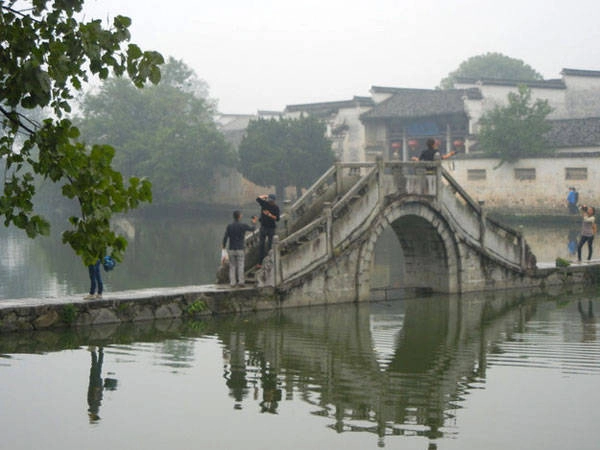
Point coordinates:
[(108, 263)]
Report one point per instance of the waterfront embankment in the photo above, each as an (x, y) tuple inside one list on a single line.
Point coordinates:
[(28, 314)]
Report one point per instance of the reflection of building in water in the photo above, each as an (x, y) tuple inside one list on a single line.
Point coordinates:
[(402, 376)]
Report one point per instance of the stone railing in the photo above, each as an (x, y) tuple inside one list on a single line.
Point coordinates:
[(502, 242), (348, 197)]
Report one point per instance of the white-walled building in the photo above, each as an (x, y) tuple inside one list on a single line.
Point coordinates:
[(344, 128), (395, 122)]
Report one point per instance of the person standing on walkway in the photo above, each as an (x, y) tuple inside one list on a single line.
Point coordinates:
[(234, 233), (572, 199), (269, 216), (588, 229), (95, 281)]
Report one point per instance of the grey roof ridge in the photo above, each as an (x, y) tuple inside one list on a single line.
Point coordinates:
[(580, 72), (548, 84)]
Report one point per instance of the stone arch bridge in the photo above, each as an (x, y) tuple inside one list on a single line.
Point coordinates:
[(326, 241)]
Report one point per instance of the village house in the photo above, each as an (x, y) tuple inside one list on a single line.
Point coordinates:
[(344, 128), (394, 123), (402, 119)]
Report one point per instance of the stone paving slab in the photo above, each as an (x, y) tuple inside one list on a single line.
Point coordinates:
[(132, 294), (574, 263)]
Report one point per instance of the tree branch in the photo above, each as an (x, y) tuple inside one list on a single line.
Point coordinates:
[(10, 117)]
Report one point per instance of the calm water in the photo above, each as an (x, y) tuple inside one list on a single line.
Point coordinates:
[(438, 372), (486, 371)]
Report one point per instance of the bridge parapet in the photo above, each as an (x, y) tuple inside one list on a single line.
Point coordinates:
[(333, 229), (495, 239)]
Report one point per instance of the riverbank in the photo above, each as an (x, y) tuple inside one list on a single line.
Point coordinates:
[(28, 314), (132, 306)]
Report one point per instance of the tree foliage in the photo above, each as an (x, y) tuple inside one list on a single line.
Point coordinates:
[(165, 132), (516, 130), (285, 152), (47, 55), (491, 65)]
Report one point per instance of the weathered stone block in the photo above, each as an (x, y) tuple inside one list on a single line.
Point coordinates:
[(143, 313), (103, 315), (46, 320), (167, 312)]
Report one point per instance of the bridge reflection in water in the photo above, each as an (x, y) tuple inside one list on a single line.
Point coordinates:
[(394, 368), (402, 368)]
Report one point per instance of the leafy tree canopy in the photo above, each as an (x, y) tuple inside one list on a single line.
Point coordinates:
[(46, 56), (165, 132), (285, 152), (491, 65), (516, 130)]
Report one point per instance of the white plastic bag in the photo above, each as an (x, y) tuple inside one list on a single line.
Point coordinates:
[(224, 257)]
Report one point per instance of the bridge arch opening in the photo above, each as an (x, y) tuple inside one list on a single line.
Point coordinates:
[(411, 248)]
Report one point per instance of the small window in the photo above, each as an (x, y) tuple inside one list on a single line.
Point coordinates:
[(524, 174), (476, 174), (576, 173)]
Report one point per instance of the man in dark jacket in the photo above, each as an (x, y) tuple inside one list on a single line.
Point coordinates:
[(432, 152), (269, 215), (235, 232)]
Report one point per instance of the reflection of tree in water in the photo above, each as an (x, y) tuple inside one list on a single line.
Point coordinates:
[(327, 357)]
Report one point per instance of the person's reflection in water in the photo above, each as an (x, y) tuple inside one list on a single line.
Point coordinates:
[(96, 386), (572, 245), (235, 377), (271, 395), (588, 321)]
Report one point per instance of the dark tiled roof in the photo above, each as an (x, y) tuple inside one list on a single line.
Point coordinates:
[(581, 73), (266, 112), (546, 84), (329, 107), (414, 103), (574, 132)]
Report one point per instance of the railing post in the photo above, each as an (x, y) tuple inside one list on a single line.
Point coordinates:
[(327, 211), (523, 262), (438, 182), (380, 172), (276, 262), (482, 219), (339, 179)]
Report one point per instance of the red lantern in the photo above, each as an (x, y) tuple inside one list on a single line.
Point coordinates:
[(396, 144), (413, 143), (458, 143)]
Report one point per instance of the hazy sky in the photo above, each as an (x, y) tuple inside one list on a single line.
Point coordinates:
[(265, 54)]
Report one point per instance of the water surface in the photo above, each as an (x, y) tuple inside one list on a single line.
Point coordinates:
[(489, 371)]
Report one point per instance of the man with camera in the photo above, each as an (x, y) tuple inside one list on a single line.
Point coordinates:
[(588, 230), (269, 215)]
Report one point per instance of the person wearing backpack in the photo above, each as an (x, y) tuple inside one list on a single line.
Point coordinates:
[(95, 281)]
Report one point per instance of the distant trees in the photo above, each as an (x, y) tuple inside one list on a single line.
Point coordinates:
[(491, 65), (165, 132), (285, 152), (47, 55), (516, 130)]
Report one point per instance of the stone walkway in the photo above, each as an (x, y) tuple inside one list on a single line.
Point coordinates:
[(132, 294)]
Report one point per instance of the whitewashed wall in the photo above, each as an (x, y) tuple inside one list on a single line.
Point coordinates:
[(545, 194)]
